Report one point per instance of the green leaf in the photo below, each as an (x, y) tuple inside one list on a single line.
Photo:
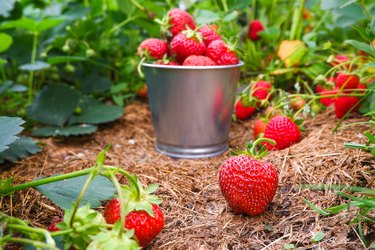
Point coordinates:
[(6, 41), (46, 24), (21, 148), (315, 208), (64, 192), (371, 64), (206, 16), (24, 23), (38, 65), (289, 246), (152, 188), (318, 236), (81, 129), (64, 59), (96, 84), (100, 113), (361, 46), (6, 6), (231, 16), (9, 128), (126, 6), (54, 104), (330, 4)]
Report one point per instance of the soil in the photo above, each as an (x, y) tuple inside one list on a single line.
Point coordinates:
[(196, 214)]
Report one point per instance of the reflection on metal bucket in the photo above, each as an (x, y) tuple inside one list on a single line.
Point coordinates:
[(191, 108)]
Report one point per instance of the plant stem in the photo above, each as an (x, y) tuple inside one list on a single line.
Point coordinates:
[(122, 202), (120, 25), (365, 9), (6, 191), (31, 74), (295, 33), (130, 178), (93, 173), (32, 242)]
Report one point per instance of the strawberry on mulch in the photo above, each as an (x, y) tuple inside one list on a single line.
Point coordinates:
[(196, 213)]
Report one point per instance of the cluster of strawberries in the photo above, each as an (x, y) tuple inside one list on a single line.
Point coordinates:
[(187, 44), (342, 88)]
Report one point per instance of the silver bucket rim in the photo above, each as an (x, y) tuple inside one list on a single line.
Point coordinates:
[(162, 66)]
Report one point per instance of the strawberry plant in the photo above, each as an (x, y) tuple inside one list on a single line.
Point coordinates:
[(13, 146), (82, 227)]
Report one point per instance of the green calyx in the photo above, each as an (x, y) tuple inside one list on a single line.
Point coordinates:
[(251, 148), (113, 240), (192, 34), (137, 198)]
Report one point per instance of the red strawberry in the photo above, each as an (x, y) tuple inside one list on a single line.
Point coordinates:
[(248, 185), (254, 28), (194, 60), (261, 90), (187, 43), (344, 103), (209, 33), (146, 227), (221, 53), (53, 227), (259, 128), (153, 48), (347, 81), (339, 59), (324, 91), (283, 131), (242, 112), (179, 20)]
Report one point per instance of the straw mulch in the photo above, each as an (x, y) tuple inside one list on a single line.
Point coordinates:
[(196, 215)]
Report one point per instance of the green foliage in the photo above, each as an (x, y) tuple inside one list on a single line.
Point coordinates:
[(13, 146), (67, 112), (62, 193)]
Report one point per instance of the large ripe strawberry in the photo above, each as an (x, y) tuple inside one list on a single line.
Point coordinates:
[(146, 227), (261, 90), (153, 48), (221, 53), (209, 33), (242, 111), (247, 184), (255, 27), (347, 81), (179, 20), (345, 103), (283, 131), (326, 92), (194, 60), (187, 43)]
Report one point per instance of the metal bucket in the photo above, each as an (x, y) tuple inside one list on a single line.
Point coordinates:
[(191, 107)]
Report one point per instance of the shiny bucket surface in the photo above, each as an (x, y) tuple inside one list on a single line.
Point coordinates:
[(191, 108)]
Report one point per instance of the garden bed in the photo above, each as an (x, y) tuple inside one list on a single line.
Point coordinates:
[(196, 214)]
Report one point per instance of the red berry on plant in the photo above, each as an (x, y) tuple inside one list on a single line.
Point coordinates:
[(242, 112), (146, 227), (283, 131), (261, 90), (53, 227), (338, 59), (255, 27), (344, 103), (221, 53), (347, 81), (153, 48), (259, 128), (194, 60)]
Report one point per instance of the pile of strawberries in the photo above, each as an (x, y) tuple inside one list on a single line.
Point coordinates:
[(342, 88), (187, 44)]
